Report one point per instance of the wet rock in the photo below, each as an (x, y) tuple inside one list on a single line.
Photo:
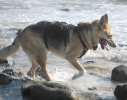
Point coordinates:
[(5, 79), (4, 62), (58, 91), (119, 74), (47, 91), (121, 92), (11, 72)]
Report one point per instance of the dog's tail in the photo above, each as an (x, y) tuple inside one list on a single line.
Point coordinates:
[(9, 50)]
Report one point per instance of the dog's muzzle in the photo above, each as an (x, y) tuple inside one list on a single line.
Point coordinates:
[(104, 42), (111, 43)]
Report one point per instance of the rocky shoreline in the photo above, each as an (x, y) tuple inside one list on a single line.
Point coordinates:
[(15, 86), (26, 89)]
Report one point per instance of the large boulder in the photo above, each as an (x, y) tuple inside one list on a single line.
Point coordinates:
[(119, 74), (121, 92), (47, 91)]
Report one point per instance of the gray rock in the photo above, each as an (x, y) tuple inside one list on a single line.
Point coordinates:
[(5, 79), (59, 91), (121, 92), (119, 74), (4, 62), (12, 73), (9, 72), (47, 91)]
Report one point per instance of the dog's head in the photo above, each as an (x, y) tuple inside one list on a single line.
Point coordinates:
[(105, 35)]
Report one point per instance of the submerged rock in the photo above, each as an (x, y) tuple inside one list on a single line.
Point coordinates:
[(47, 91), (121, 92), (119, 74), (5, 79)]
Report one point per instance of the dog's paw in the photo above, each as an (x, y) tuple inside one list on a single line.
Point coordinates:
[(31, 74), (78, 75)]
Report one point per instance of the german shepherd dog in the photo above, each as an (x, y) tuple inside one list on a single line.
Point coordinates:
[(66, 40)]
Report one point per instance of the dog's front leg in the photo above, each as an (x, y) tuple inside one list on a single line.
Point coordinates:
[(78, 66)]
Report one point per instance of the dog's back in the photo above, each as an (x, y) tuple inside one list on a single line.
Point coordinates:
[(54, 34)]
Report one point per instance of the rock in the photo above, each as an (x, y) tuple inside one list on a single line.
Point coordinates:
[(92, 88), (119, 74), (5, 79), (4, 62), (7, 75), (11, 72), (47, 91), (58, 91), (121, 92)]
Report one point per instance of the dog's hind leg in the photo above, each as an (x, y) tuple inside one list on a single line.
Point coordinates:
[(41, 59), (78, 66), (33, 69), (38, 58), (35, 48)]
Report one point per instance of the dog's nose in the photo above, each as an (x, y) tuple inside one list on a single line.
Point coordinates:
[(112, 44)]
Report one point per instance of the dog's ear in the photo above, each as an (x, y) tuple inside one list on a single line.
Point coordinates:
[(104, 20)]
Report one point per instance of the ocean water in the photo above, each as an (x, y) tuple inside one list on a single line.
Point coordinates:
[(16, 14)]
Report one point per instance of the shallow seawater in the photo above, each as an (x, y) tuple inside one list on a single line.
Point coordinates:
[(16, 14)]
